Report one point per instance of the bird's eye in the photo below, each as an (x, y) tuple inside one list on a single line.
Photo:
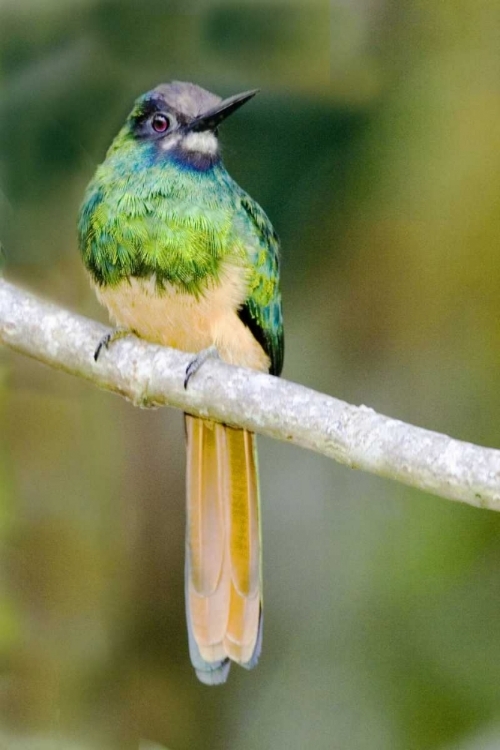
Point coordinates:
[(160, 123)]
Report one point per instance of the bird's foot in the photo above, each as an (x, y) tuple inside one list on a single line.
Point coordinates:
[(109, 338), (198, 361)]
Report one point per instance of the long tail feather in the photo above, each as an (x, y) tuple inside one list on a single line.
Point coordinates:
[(223, 560)]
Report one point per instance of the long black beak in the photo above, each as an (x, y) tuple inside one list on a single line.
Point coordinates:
[(211, 119)]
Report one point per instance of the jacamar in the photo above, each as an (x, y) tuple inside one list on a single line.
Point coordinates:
[(182, 256)]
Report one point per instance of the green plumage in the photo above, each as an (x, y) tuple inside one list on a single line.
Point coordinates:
[(176, 215), (182, 255)]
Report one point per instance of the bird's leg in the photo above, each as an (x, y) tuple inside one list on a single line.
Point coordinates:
[(196, 363), (109, 338)]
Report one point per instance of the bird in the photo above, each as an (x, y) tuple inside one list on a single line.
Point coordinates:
[(182, 256)]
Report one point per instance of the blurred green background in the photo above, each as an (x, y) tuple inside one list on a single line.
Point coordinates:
[(375, 148)]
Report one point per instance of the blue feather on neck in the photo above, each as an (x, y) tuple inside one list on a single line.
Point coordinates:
[(198, 161)]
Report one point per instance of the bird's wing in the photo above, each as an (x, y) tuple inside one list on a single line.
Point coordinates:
[(261, 311)]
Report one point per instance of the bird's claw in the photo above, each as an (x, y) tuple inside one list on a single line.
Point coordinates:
[(190, 371), (108, 339), (198, 361), (103, 343)]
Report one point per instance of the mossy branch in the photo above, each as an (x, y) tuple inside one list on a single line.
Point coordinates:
[(151, 375)]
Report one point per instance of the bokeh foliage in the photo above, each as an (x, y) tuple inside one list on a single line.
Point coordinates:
[(374, 147)]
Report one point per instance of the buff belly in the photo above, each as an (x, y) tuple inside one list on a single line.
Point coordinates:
[(174, 318)]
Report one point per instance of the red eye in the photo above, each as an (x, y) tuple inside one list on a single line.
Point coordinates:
[(160, 123)]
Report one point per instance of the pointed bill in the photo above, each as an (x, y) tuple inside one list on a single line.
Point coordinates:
[(211, 119)]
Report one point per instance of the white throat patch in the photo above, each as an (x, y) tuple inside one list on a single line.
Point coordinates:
[(204, 143)]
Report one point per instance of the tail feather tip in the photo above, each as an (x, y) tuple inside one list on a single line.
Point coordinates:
[(214, 674), (258, 645)]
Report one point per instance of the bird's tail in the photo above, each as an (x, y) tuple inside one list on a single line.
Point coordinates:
[(223, 558)]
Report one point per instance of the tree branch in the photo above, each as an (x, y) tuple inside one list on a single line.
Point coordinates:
[(151, 375)]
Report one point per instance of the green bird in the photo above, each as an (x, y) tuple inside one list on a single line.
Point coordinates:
[(182, 256)]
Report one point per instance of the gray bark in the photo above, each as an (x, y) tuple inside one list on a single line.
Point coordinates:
[(150, 375)]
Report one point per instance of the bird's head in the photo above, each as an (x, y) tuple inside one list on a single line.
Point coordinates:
[(180, 120)]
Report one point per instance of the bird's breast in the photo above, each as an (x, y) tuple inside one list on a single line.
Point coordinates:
[(170, 316)]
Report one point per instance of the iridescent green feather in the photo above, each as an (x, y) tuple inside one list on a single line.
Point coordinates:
[(145, 215), (262, 310)]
